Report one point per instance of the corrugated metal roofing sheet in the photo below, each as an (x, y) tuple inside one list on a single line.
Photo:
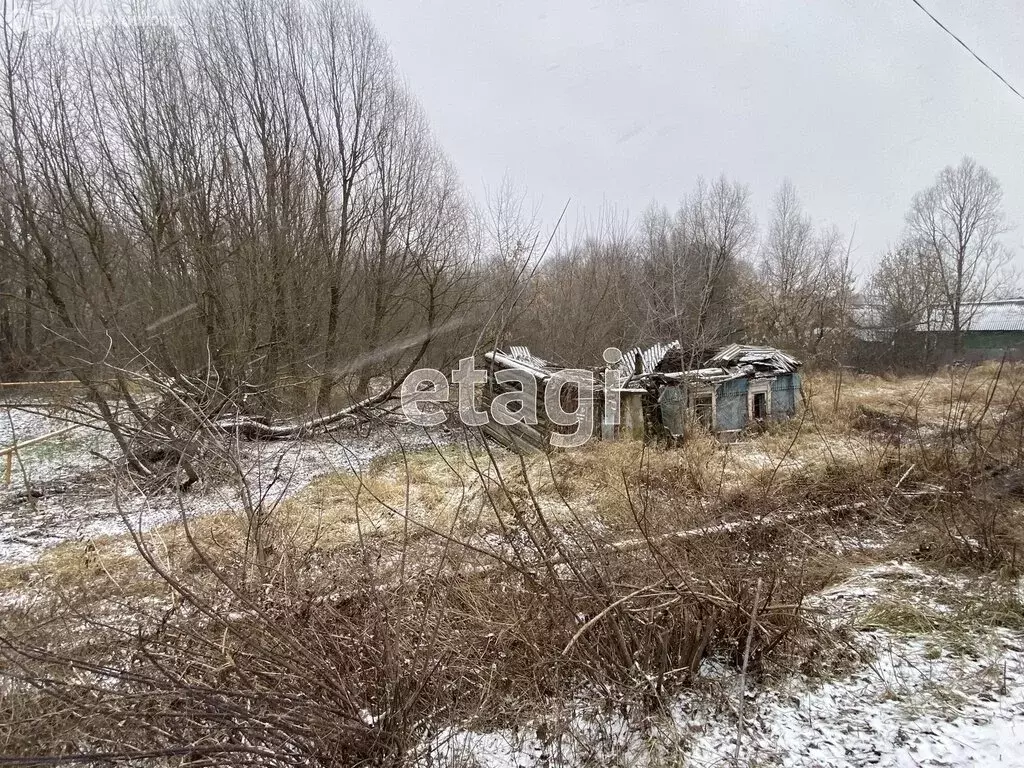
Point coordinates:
[(649, 359), (980, 316), (710, 375), (523, 355), (540, 369), (738, 354), (996, 315)]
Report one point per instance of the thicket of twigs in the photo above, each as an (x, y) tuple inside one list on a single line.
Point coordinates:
[(359, 656), (229, 644)]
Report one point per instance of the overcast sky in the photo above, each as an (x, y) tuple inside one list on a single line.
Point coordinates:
[(859, 103)]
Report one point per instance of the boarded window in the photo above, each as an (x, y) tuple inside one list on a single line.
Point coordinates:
[(759, 406), (703, 408)]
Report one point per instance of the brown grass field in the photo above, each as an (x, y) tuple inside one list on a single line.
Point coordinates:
[(471, 585)]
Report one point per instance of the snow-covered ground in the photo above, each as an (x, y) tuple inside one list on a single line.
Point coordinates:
[(927, 698), (928, 684), (951, 695), (73, 496)]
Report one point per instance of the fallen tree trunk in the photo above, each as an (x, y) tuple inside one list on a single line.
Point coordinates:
[(256, 430), (253, 429)]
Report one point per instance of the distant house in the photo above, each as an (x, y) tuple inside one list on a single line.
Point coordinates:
[(990, 330), (993, 329)]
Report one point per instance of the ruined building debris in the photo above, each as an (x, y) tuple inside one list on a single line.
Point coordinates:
[(662, 390)]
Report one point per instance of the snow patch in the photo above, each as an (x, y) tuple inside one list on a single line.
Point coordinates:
[(915, 700), (76, 502)]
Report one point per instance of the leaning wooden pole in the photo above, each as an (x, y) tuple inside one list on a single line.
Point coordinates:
[(9, 451)]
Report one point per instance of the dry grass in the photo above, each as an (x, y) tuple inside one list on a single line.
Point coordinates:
[(929, 400), (955, 604), (553, 613), (829, 455), (464, 586), (826, 456)]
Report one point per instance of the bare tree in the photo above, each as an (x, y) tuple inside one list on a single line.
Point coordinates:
[(688, 264), (804, 277), (348, 84), (958, 220), (509, 240), (245, 197), (724, 229), (902, 292), (582, 301)]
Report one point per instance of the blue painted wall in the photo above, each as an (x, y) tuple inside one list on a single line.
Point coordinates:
[(732, 405), (785, 391)]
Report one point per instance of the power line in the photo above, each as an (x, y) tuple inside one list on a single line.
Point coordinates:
[(968, 49)]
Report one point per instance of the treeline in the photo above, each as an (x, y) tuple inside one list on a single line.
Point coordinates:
[(248, 192), (704, 274), (707, 274)]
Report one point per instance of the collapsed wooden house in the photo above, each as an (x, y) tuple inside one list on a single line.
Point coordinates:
[(586, 385), (660, 391), (737, 386), (522, 436)]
